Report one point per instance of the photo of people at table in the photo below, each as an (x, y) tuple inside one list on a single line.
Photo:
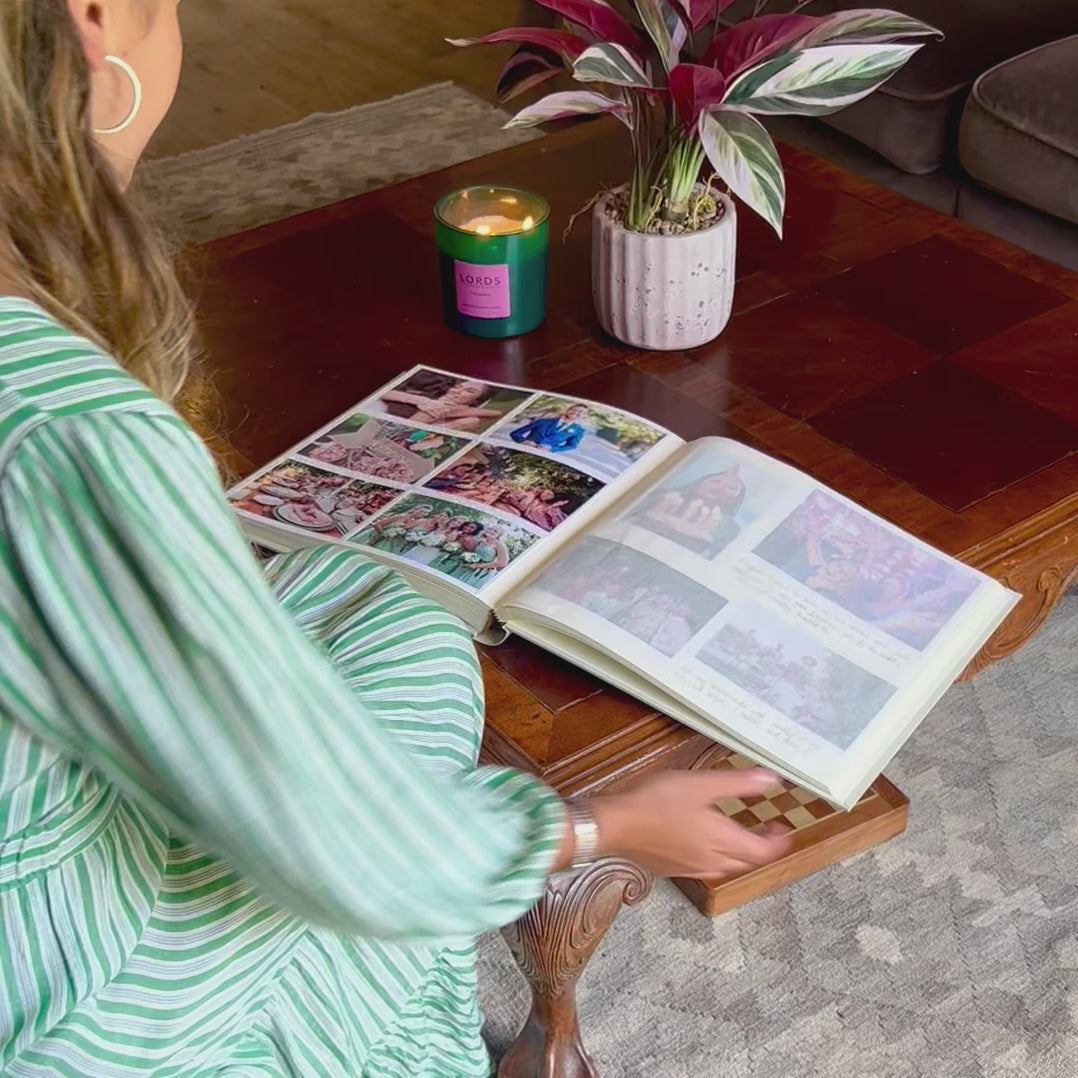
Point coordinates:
[(449, 401), (314, 500), (800, 678), (466, 544), (604, 441), (704, 504), (382, 449), (658, 605), (542, 491), (878, 576)]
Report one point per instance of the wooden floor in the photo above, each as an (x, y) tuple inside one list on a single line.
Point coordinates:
[(253, 64)]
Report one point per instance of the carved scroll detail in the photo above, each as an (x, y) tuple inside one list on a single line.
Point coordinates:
[(552, 944)]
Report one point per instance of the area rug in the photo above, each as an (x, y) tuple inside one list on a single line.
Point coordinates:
[(948, 952), (250, 181)]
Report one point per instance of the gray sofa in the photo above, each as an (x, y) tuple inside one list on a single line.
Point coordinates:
[(982, 125)]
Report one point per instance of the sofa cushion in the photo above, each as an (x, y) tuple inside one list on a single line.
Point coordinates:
[(1019, 133), (910, 119)]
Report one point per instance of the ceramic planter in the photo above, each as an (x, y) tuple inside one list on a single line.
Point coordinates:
[(663, 292)]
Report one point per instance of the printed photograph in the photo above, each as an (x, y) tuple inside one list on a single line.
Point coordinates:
[(885, 580), (466, 544), (318, 501), (658, 605), (382, 449), (704, 504), (805, 681), (432, 398), (603, 441), (542, 491)]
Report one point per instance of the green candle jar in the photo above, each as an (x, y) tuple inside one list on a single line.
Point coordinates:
[(492, 246)]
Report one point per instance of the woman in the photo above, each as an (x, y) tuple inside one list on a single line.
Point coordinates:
[(241, 832), (487, 557)]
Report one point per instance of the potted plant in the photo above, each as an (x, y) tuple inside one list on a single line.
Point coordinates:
[(689, 87)]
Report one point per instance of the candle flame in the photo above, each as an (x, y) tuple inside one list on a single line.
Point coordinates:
[(528, 223), (482, 230)]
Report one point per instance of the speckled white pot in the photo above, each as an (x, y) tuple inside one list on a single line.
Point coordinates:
[(663, 292)]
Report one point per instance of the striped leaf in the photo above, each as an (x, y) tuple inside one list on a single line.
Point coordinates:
[(698, 13), (817, 81), (609, 63), (664, 27), (568, 46), (598, 18), (568, 103), (865, 25), (741, 152), (524, 70)]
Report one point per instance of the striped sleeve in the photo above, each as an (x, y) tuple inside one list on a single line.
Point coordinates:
[(178, 675)]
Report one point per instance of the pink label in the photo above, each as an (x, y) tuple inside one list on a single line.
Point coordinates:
[(482, 291)]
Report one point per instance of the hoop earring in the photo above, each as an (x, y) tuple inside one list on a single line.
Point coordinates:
[(136, 103)]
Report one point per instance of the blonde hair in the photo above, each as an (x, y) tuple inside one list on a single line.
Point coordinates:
[(69, 238)]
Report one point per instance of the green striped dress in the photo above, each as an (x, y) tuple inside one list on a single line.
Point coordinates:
[(241, 829)]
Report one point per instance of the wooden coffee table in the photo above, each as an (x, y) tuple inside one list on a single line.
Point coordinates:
[(917, 365)]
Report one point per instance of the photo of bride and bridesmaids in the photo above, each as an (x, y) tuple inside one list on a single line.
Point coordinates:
[(468, 545), (434, 398), (878, 576), (541, 491), (382, 449), (658, 605), (305, 497), (703, 505)]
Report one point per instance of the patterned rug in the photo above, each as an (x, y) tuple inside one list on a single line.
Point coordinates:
[(948, 952), (250, 181)]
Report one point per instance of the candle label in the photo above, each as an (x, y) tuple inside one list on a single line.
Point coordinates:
[(482, 291)]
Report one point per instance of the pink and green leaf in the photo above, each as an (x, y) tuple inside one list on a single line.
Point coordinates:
[(694, 88), (565, 44), (741, 152), (610, 63), (698, 13), (817, 81), (568, 103), (751, 42), (525, 70), (665, 28), (865, 26), (598, 18)]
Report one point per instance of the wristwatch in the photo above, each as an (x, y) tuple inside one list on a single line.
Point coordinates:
[(585, 834)]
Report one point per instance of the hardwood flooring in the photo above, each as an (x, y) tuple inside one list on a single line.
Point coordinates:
[(253, 64)]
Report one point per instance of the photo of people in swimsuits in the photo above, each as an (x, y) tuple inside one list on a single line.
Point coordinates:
[(305, 497), (449, 401), (906, 591), (384, 450), (802, 679), (603, 441), (466, 544), (658, 605), (704, 504), (542, 491)]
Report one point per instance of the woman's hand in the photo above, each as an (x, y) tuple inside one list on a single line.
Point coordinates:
[(668, 823)]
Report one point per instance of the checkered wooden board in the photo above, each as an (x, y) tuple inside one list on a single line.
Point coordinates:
[(787, 803), (821, 834)]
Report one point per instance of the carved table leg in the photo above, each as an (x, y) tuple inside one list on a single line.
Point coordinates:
[(552, 944)]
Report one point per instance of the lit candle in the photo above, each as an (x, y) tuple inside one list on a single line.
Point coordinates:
[(492, 244)]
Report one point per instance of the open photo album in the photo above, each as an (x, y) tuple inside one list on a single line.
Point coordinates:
[(728, 590)]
